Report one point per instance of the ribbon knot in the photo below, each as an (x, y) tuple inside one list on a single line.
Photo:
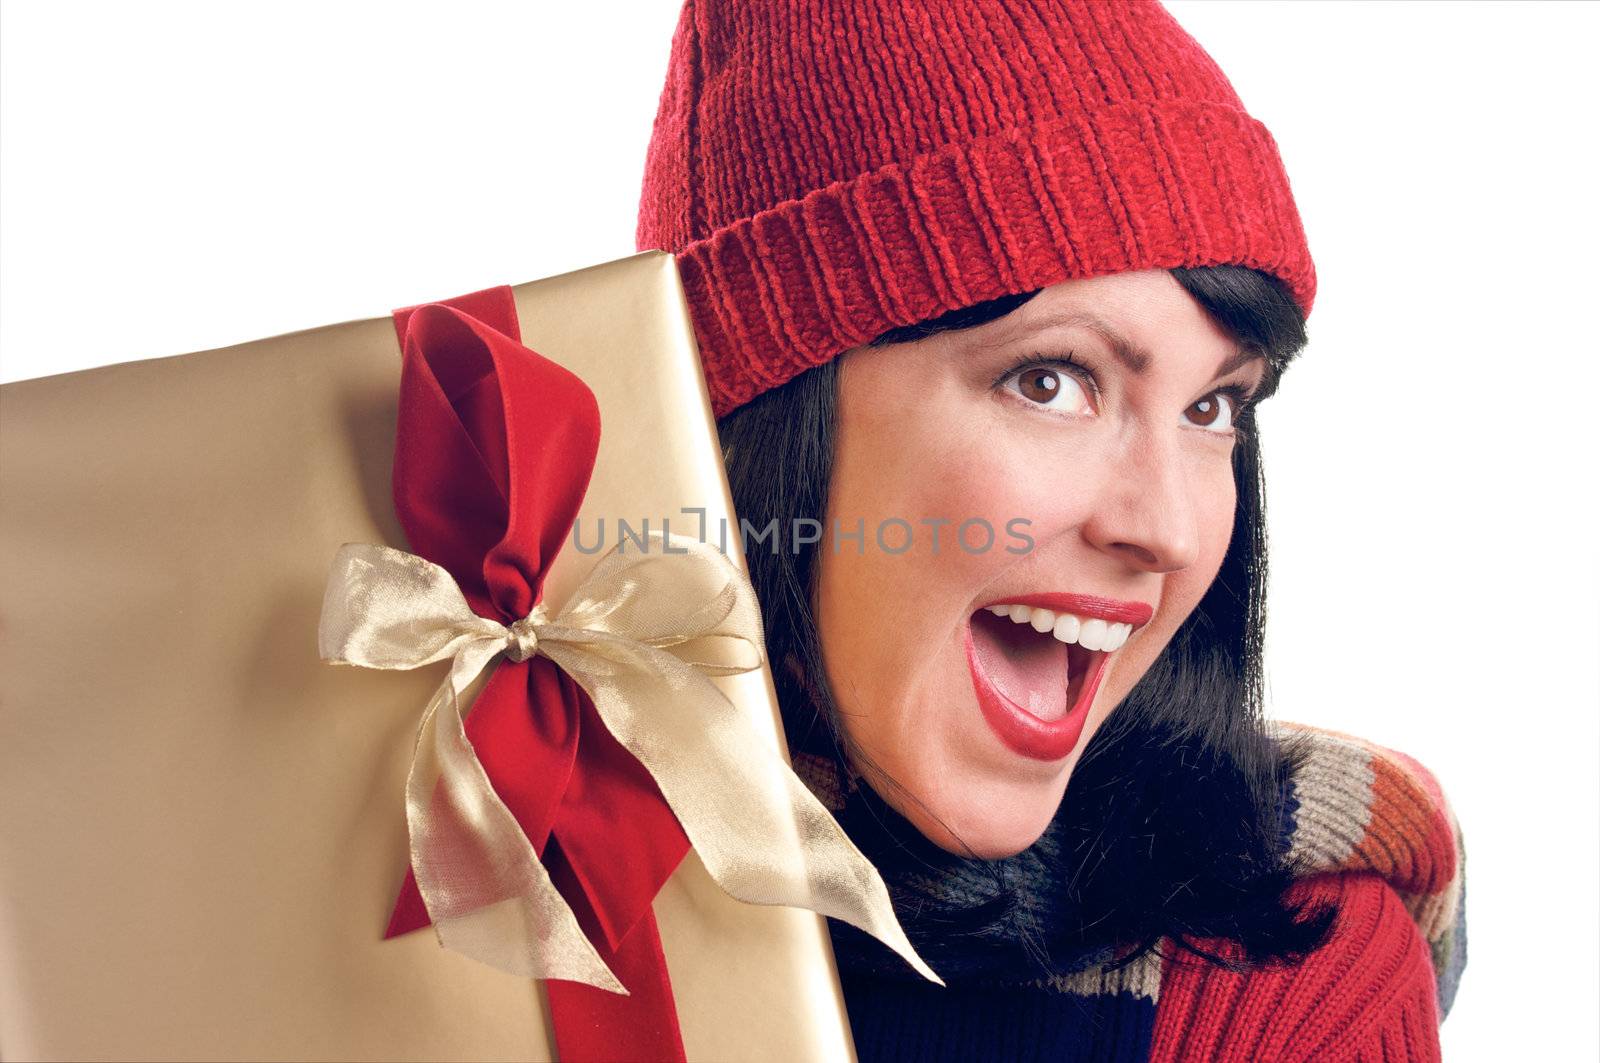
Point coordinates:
[(523, 638)]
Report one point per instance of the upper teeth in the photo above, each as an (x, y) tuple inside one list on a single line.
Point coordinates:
[(1091, 633)]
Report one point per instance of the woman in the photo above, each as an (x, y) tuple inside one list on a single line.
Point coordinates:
[(987, 294)]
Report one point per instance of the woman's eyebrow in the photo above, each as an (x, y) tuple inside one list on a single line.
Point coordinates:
[(1134, 356)]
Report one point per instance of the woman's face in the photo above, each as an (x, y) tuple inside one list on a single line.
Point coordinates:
[(1109, 489)]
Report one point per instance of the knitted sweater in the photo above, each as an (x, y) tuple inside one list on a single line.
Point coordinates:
[(1382, 841)]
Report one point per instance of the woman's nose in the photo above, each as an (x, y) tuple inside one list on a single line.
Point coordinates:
[(1145, 514)]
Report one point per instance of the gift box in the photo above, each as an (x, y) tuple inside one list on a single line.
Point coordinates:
[(215, 844)]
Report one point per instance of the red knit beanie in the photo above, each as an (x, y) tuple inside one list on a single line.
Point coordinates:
[(826, 171)]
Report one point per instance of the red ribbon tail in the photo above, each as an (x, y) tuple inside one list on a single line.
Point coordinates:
[(409, 911), (592, 1025)]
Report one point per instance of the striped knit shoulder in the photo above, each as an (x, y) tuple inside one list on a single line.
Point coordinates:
[(1370, 831), (1360, 807)]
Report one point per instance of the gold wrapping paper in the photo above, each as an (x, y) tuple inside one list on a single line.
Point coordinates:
[(201, 826)]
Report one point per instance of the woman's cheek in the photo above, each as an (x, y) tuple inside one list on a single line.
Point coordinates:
[(1032, 505), (1217, 502)]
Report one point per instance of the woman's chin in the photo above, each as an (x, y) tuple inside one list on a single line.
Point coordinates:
[(989, 840), (986, 822)]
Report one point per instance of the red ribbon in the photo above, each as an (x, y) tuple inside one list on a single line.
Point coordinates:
[(478, 412)]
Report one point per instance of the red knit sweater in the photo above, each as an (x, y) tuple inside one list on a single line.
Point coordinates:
[(1367, 995)]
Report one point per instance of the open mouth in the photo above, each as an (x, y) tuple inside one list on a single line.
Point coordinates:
[(1035, 667)]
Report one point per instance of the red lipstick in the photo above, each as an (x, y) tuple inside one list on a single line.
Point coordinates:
[(1021, 730)]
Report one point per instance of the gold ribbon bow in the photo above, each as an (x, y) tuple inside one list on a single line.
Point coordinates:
[(641, 635)]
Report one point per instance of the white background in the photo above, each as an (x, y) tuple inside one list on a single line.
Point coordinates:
[(179, 177)]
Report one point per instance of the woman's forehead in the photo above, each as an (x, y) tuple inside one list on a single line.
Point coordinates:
[(1138, 319)]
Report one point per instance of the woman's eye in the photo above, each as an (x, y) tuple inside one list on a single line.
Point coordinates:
[(1049, 387), (1066, 388), (1209, 412)]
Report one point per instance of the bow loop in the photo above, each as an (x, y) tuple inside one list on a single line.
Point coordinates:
[(385, 608), (678, 595), (490, 504)]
